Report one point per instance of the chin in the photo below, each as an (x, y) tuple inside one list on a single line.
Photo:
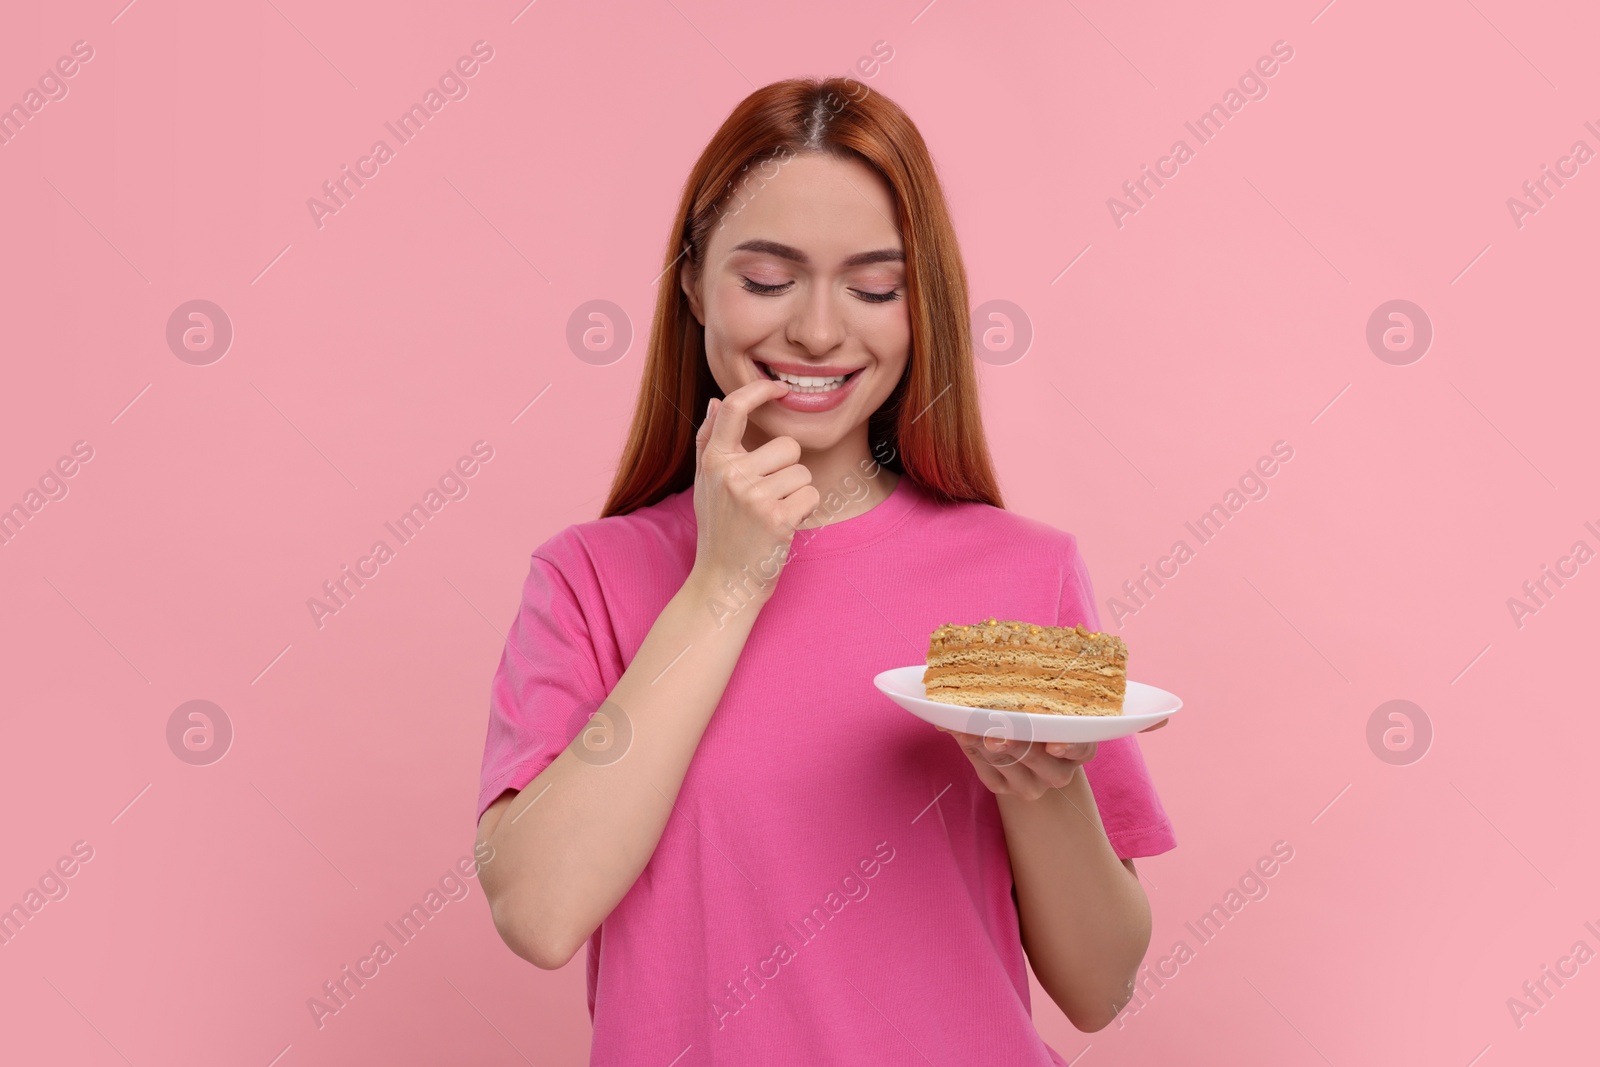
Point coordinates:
[(804, 428)]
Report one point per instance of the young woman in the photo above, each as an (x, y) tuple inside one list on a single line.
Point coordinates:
[(688, 767)]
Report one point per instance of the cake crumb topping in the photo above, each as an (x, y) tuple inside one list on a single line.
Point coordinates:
[(993, 631)]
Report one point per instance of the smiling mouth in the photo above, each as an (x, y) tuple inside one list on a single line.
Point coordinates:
[(800, 383)]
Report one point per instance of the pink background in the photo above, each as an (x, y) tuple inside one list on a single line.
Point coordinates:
[(368, 355)]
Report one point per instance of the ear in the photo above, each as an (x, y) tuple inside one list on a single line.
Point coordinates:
[(691, 288)]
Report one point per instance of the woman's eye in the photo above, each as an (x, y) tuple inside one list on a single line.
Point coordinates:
[(750, 285)]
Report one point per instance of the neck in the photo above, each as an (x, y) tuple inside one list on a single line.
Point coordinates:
[(848, 479)]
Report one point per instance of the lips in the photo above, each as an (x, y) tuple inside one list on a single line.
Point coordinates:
[(831, 383), (805, 378)]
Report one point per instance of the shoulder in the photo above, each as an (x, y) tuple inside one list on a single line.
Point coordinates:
[(641, 538)]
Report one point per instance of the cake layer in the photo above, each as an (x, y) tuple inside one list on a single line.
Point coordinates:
[(1022, 661), (1032, 703), (1075, 682), (952, 637), (1018, 666), (1098, 650), (1083, 690)]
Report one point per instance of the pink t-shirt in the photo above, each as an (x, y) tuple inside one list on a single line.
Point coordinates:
[(833, 884)]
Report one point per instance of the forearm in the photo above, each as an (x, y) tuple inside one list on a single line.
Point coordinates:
[(572, 842), (1084, 917)]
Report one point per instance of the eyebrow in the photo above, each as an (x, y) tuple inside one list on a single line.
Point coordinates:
[(794, 255)]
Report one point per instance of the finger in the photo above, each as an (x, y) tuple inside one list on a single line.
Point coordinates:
[(998, 750), (798, 504), (704, 433), (971, 744), (992, 753), (991, 776), (1019, 777), (1078, 752), (1157, 726), (1020, 767), (734, 412), (1054, 771), (781, 483), (776, 454)]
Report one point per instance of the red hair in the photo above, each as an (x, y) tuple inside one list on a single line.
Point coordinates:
[(930, 428)]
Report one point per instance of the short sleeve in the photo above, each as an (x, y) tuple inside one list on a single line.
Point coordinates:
[(547, 685), (1136, 823)]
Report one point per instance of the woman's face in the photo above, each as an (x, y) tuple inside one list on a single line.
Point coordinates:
[(805, 277)]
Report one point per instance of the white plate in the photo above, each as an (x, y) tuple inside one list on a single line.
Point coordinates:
[(1142, 707)]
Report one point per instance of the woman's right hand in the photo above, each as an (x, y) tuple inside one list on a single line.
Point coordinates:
[(746, 504), (560, 871)]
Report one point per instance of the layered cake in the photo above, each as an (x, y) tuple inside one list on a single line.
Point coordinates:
[(1018, 666)]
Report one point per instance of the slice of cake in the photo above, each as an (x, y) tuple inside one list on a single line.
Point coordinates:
[(1018, 666)]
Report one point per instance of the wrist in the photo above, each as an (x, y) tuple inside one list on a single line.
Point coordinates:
[(722, 599), (749, 583), (1074, 801)]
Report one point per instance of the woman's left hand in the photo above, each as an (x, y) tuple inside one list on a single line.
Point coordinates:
[(1023, 768)]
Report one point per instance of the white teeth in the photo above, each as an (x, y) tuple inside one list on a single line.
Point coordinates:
[(806, 384)]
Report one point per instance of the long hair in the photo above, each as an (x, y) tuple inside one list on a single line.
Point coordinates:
[(929, 429)]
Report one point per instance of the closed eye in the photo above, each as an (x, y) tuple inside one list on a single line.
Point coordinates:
[(771, 290)]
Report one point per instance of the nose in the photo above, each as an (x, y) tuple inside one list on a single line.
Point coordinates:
[(817, 325)]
